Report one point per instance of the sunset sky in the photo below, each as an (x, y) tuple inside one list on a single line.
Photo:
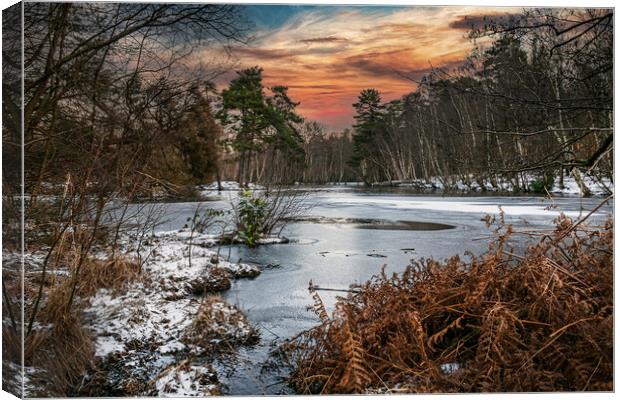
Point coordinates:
[(327, 54)]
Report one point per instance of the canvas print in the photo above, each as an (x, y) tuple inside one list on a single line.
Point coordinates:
[(250, 199)]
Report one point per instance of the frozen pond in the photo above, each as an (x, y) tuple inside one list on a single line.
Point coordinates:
[(349, 235)]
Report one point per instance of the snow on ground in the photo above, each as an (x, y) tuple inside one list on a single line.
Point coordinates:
[(570, 187), (158, 314), (273, 240), (212, 189), (346, 183), (170, 259), (140, 314), (210, 240), (229, 185), (596, 187), (32, 260), (201, 239), (14, 379), (184, 379)]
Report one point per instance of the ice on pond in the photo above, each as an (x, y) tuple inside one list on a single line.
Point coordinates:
[(482, 208)]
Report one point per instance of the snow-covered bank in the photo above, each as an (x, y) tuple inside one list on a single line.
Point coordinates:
[(185, 379), (210, 240), (570, 187), (596, 187), (153, 334), (214, 189), (166, 327), (463, 185)]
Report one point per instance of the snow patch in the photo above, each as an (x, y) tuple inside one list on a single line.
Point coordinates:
[(597, 187), (482, 208), (273, 240), (184, 379), (157, 313), (106, 345), (213, 190)]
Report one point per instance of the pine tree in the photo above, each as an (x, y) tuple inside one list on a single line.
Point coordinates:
[(201, 143), (258, 120), (368, 121), (244, 111)]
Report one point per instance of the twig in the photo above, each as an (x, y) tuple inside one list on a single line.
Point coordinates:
[(336, 290), (572, 228)]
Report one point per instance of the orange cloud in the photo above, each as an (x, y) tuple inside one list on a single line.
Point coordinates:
[(328, 39), (327, 56)]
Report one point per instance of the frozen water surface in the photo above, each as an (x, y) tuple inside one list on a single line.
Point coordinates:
[(335, 255)]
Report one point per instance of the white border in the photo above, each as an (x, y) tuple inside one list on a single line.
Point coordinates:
[(506, 3)]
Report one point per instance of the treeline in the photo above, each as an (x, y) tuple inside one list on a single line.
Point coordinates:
[(537, 101), (534, 104), (320, 157), (111, 102), (265, 140)]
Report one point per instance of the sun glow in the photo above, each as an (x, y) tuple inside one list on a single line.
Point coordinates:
[(327, 55)]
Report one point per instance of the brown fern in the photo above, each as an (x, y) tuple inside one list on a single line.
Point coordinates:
[(355, 377), (319, 307)]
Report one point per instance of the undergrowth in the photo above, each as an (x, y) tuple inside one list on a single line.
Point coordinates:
[(60, 347), (218, 324), (501, 322)]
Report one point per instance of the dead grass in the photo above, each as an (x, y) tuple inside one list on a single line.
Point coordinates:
[(541, 321), (114, 273), (61, 347), (60, 356), (214, 280)]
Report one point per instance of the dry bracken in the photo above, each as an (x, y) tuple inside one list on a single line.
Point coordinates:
[(539, 321)]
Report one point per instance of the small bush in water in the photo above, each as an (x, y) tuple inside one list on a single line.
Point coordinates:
[(252, 214)]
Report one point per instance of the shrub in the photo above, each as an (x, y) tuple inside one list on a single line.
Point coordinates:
[(252, 212), (543, 183), (218, 324), (258, 215)]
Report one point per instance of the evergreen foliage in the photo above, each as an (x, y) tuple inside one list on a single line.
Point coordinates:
[(259, 121)]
